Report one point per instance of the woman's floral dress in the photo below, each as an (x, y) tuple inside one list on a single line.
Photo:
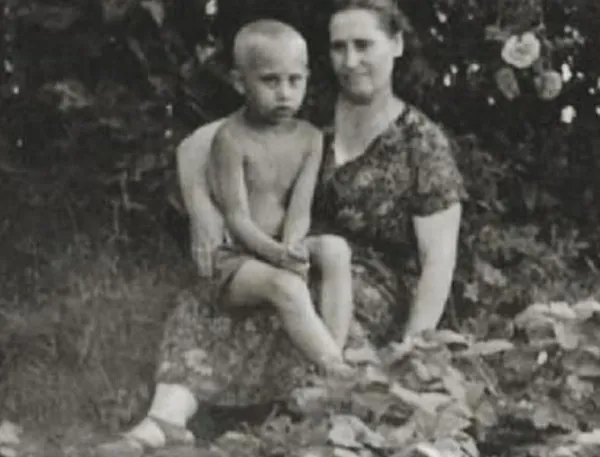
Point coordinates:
[(408, 170)]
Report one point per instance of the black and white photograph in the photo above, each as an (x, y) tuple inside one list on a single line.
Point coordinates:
[(299, 228)]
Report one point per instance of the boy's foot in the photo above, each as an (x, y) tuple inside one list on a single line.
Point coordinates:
[(338, 370), (424, 450), (341, 371), (149, 435), (444, 448)]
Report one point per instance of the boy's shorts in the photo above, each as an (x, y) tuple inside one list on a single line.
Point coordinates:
[(228, 259)]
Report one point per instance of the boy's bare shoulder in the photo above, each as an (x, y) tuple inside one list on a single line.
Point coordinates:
[(226, 134), (308, 135), (308, 129)]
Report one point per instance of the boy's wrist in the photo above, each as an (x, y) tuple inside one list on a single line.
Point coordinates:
[(283, 256), (290, 254)]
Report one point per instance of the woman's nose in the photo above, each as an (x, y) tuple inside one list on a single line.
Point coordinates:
[(352, 58)]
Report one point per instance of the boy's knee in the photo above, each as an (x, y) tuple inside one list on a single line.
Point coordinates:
[(334, 252), (285, 288)]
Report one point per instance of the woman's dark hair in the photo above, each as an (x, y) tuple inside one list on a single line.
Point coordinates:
[(390, 17)]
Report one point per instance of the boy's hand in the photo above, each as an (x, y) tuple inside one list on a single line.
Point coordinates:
[(296, 260), (298, 251), (300, 268)]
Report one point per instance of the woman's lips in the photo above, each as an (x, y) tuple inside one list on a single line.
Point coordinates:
[(354, 76)]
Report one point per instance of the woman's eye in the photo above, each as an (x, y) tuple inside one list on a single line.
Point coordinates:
[(337, 46), (363, 45)]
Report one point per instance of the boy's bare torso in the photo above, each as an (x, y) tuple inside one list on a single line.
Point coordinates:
[(273, 157)]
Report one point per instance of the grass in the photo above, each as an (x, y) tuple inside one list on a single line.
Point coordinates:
[(81, 315), (82, 341)]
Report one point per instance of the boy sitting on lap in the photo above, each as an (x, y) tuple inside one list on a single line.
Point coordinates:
[(264, 166)]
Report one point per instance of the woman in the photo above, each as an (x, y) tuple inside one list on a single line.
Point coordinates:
[(388, 184)]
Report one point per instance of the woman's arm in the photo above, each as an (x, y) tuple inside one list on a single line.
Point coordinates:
[(437, 240)]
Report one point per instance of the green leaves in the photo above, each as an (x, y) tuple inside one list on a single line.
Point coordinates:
[(156, 8), (116, 10), (437, 393), (54, 18), (68, 95)]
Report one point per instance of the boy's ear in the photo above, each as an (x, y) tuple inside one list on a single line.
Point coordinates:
[(236, 79), (398, 44)]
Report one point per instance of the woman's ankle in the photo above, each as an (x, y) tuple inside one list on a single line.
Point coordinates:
[(174, 404)]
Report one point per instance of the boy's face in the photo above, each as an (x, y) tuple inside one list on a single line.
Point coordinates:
[(273, 79)]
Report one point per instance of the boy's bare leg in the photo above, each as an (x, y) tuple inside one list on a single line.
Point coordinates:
[(331, 255), (258, 283)]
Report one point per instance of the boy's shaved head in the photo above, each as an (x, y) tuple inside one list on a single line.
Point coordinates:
[(254, 38)]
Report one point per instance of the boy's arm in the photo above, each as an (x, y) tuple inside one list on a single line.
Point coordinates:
[(297, 220), (233, 197)]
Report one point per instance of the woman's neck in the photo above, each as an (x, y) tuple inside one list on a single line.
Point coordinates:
[(358, 124), (367, 119), (383, 101)]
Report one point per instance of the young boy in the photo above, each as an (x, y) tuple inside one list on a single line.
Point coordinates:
[(264, 165)]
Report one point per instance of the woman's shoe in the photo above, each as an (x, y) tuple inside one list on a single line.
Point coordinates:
[(129, 445)]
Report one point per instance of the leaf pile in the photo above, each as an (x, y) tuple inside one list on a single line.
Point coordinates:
[(447, 392)]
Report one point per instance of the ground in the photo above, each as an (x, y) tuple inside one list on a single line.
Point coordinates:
[(86, 289)]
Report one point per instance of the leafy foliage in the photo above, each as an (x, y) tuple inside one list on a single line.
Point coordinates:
[(446, 390), (108, 74)]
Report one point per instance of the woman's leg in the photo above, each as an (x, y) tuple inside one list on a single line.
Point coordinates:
[(257, 283), (165, 423), (172, 403), (332, 256)]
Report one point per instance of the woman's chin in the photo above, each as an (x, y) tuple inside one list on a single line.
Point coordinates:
[(360, 97)]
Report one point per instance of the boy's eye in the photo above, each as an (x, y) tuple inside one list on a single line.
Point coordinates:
[(296, 79), (269, 79)]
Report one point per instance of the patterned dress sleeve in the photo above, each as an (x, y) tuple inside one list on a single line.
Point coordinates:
[(438, 182)]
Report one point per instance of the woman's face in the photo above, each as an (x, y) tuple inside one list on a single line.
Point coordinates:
[(362, 53)]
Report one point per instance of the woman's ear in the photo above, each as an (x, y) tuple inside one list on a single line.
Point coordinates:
[(236, 79), (398, 39)]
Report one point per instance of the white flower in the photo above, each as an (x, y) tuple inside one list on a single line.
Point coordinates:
[(211, 8), (567, 115), (473, 67), (521, 51), (548, 84), (566, 72)]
